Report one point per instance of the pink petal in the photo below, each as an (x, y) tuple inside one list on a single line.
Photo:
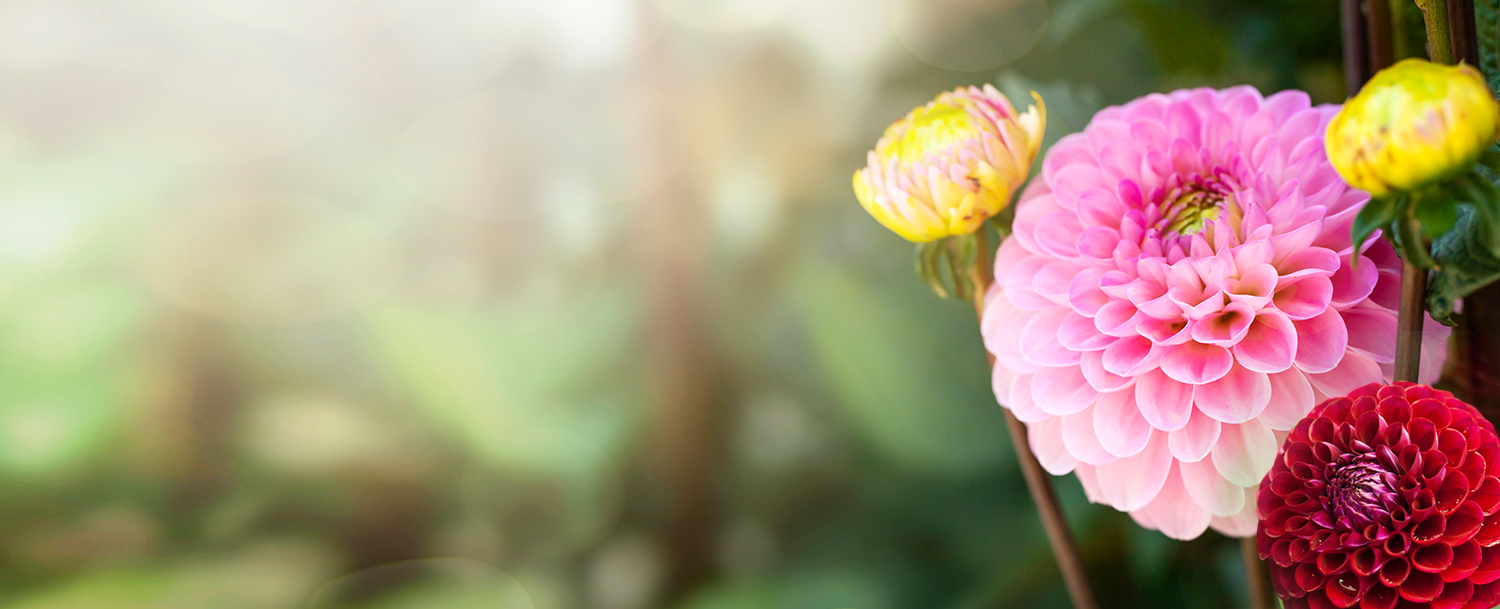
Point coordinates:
[(1242, 524), (1079, 438), (1225, 327), (1269, 345), (1353, 372), (1089, 479), (1118, 422), (1196, 363), (1020, 403), (1244, 452), (1210, 490), (1131, 356), (1057, 234), (1077, 333), (1099, 207), (1306, 298), (1070, 182), (1291, 399), (1194, 441), (1352, 284), (1039, 339), (1164, 402), (1238, 397), (1310, 261), (1254, 287), (1372, 332), (1045, 438), (1092, 364), (1130, 483), (1321, 342), (1060, 391), (1174, 512)]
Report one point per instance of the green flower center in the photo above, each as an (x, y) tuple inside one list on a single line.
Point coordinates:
[(1191, 210)]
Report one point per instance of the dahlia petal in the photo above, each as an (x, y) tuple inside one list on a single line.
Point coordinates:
[(1321, 343), (1099, 207), (1164, 402), (1079, 438), (1089, 479), (1193, 442), (1131, 356), (1353, 283), (1241, 524), (1210, 490), (1174, 512), (1291, 399), (1045, 438), (1244, 452), (1092, 365), (1352, 372), (1132, 482), (1238, 397), (1196, 363), (1020, 403), (1305, 298), (1118, 422), (1270, 344), (1372, 332), (1062, 390), (1072, 181), (1040, 343)]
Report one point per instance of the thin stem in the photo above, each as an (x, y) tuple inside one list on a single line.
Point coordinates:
[(1439, 37), (1064, 548), (1257, 576), (1409, 321)]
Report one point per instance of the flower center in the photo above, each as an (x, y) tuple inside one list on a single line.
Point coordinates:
[(1360, 492), (1192, 209)]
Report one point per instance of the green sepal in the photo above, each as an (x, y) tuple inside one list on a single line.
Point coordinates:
[(928, 256), (963, 250), (1435, 210), (1409, 242)]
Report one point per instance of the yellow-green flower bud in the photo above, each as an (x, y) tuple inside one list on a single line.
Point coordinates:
[(950, 165), (1413, 124)]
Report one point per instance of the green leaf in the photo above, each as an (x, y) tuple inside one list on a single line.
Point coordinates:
[(1487, 24), (1378, 213), (1466, 264), (1436, 211)]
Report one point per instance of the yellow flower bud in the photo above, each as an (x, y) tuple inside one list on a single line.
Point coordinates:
[(1413, 124), (948, 166)]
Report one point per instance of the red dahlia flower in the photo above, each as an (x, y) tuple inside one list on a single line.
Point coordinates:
[(1385, 498)]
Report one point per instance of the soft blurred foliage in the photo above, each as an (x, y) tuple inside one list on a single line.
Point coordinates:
[(534, 304)]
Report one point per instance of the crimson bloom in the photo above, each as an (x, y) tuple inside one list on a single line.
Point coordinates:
[(1385, 498)]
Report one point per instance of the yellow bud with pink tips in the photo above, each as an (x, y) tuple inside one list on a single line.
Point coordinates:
[(950, 165)]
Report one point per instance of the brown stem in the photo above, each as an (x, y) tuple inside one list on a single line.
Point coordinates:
[(1378, 31), (1064, 548), (1356, 49), (1257, 576), (1409, 321)]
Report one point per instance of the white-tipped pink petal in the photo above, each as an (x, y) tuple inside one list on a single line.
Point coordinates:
[(1173, 510), (1089, 479), (1196, 363), (1081, 440), (1352, 372), (1270, 345), (1129, 483), (1060, 391), (1046, 440), (1242, 524), (1304, 298), (1291, 399), (1321, 342), (1196, 439), (1210, 490), (1165, 403), (1238, 397), (1118, 422), (1244, 452)]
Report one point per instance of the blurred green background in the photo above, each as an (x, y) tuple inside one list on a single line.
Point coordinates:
[(535, 304)]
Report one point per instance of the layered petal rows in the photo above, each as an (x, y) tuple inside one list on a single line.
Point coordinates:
[(1385, 498), (1179, 290)]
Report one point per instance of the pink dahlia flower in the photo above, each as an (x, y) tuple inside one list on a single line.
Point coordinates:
[(1179, 291)]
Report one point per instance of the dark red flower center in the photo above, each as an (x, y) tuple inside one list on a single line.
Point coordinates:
[(1360, 492)]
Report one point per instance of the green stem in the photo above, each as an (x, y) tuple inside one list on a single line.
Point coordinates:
[(1439, 39)]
